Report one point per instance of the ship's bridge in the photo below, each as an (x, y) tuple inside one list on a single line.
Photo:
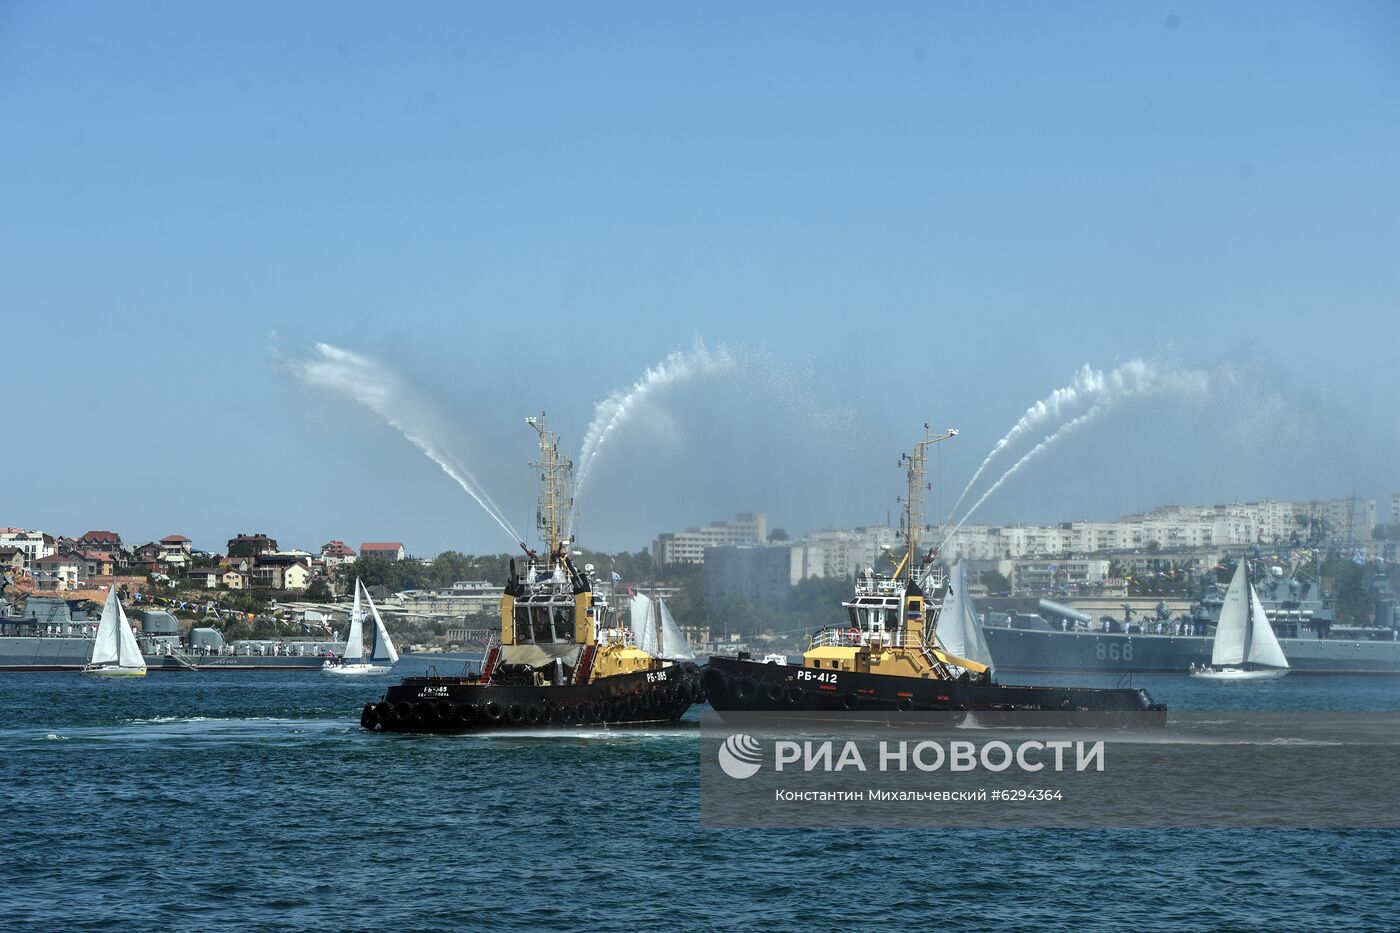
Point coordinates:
[(545, 612), (876, 616), (544, 618), (876, 612)]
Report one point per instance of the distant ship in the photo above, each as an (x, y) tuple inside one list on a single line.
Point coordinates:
[(49, 633), (1057, 638)]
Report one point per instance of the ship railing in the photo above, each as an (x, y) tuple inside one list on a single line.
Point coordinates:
[(615, 636), (830, 638), (878, 587), (841, 638), (182, 658)]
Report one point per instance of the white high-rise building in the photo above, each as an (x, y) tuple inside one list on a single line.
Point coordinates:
[(842, 553), (748, 529)]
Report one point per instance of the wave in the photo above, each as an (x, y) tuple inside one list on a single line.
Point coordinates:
[(165, 720)]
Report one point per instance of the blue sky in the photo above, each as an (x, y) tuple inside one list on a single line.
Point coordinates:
[(917, 211)]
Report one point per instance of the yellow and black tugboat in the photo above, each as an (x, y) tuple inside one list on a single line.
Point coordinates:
[(889, 659), (564, 658)]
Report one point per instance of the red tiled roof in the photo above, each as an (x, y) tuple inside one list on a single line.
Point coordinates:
[(101, 537), (174, 539), (56, 559), (381, 546)]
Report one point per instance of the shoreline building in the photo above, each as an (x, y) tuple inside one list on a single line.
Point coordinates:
[(33, 544), (383, 550), (253, 546), (748, 529), (1175, 528), (839, 552)]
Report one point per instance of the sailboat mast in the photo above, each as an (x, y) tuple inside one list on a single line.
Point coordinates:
[(119, 624), (1248, 612), (656, 612), (374, 636)]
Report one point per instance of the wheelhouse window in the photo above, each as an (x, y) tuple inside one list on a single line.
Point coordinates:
[(523, 632), (563, 623), (539, 618)]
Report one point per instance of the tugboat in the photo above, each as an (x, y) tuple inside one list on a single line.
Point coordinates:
[(564, 659), (890, 660)]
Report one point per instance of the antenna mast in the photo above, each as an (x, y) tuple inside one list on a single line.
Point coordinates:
[(916, 464), (556, 476)]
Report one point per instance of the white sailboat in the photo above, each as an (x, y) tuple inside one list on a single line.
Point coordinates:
[(1245, 646), (674, 645), (959, 633), (353, 661), (114, 650), (655, 631), (643, 623)]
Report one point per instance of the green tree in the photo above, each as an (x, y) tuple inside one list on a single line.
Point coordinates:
[(1354, 602), (815, 603), (995, 581)]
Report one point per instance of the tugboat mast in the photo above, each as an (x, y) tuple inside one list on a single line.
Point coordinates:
[(916, 464), (556, 474)]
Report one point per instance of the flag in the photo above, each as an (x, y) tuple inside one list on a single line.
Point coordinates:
[(1357, 559), (617, 577)]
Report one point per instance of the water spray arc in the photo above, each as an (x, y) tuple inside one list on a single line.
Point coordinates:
[(374, 386), (1088, 383), (614, 411), (1031, 454), (1133, 379)]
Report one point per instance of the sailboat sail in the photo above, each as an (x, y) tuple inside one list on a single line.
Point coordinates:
[(128, 652), (674, 645), (1231, 627), (383, 649), (644, 625), (1263, 644), (959, 632), (105, 647), (355, 642)]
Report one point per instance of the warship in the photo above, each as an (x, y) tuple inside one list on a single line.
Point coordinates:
[(891, 659), (1058, 638), (41, 634), (564, 658)]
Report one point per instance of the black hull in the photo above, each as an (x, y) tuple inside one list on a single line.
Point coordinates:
[(742, 686), (451, 705)]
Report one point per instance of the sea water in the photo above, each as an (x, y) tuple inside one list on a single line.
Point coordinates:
[(190, 801)]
